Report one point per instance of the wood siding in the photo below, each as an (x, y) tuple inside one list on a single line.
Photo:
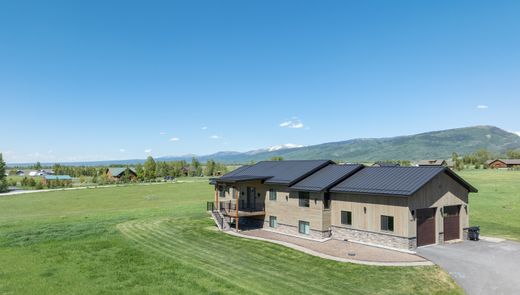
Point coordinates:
[(375, 207), (439, 192)]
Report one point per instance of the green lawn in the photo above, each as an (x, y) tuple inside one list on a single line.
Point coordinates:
[(158, 239), (496, 207)]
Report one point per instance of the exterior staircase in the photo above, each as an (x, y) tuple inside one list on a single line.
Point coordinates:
[(218, 217)]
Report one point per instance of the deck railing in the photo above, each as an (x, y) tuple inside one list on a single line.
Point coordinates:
[(210, 206), (231, 206)]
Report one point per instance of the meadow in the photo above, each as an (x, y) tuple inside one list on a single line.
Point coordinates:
[(158, 239), (496, 207)]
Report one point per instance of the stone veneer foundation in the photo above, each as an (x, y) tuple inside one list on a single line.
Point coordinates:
[(388, 240), (293, 230)]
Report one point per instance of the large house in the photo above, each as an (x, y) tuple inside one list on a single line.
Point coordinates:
[(396, 207), (503, 163)]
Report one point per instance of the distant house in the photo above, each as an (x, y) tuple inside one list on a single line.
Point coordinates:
[(41, 173), (503, 163), (117, 173), (20, 173), (441, 162), (385, 164), (49, 178)]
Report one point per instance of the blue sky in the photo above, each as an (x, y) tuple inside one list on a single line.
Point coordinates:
[(98, 80)]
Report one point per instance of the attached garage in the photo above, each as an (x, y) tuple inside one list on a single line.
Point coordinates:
[(426, 226), (451, 216)]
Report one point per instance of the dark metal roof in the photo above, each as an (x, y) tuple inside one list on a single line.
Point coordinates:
[(404, 181), (276, 172), (239, 178), (326, 177), (385, 164)]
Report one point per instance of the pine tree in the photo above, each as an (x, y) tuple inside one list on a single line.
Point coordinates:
[(149, 168), (3, 181)]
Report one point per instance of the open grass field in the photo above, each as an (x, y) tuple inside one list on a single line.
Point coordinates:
[(496, 207), (158, 239)]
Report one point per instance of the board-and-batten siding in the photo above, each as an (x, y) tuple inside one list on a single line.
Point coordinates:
[(286, 206), (441, 191), (375, 207), (289, 212)]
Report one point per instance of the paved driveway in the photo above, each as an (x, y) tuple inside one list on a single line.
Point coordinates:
[(481, 267)]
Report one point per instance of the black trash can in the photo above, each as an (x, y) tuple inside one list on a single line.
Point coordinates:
[(474, 233)]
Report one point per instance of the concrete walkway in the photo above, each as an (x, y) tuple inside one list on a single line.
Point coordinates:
[(490, 266), (338, 250)]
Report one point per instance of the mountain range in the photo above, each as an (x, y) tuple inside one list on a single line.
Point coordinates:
[(429, 145)]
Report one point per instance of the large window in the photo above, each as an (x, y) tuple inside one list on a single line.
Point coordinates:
[(272, 194), (387, 223), (222, 192), (304, 227), (303, 199), (346, 217), (273, 221)]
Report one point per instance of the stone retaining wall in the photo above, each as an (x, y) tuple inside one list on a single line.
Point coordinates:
[(388, 240)]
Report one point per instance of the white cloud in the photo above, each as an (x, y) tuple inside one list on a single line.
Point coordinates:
[(482, 107), (175, 139), (162, 133), (204, 127), (215, 137), (122, 150), (148, 151), (294, 124)]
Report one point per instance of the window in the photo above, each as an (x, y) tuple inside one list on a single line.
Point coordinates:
[(387, 223), (303, 199), (272, 195), (272, 221), (346, 217), (303, 227), (326, 200), (222, 192)]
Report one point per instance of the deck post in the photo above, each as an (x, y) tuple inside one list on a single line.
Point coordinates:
[(216, 198), (236, 212)]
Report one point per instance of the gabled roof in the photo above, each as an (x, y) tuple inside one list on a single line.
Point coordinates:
[(57, 177), (506, 161), (275, 172), (326, 177), (402, 181), (118, 171)]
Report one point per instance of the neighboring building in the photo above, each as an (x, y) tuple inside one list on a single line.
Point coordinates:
[(432, 163), (398, 207), (49, 178), (41, 173), (385, 164), (503, 163), (20, 173), (117, 173)]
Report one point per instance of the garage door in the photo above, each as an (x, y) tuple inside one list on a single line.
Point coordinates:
[(426, 226), (451, 223)]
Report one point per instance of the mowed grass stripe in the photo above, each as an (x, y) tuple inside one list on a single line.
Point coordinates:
[(210, 271), (275, 270), (218, 261)]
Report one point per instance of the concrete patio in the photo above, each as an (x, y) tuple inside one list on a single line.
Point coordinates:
[(338, 250)]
